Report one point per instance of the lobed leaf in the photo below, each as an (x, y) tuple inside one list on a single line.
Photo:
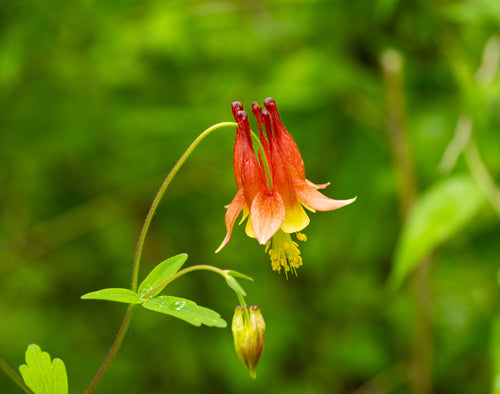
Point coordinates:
[(114, 294), (41, 375), (438, 214), (184, 309), (161, 273)]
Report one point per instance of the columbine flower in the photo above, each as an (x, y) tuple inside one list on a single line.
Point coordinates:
[(274, 199), (249, 330)]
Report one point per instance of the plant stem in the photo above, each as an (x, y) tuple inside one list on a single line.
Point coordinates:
[(422, 345), (138, 253), (114, 349), (264, 158), (14, 376), (159, 195), (183, 272), (224, 273)]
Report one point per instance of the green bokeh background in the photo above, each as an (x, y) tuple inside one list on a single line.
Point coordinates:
[(100, 98)]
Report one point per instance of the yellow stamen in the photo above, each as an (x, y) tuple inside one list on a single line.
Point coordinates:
[(284, 252), (301, 237)]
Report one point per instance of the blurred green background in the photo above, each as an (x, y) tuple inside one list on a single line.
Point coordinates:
[(98, 101)]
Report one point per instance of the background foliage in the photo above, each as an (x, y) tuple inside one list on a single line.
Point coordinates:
[(99, 99)]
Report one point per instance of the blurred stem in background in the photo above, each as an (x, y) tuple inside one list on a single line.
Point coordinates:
[(464, 140), (422, 346)]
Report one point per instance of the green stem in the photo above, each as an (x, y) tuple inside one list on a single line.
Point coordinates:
[(14, 376), (138, 253), (156, 201), (183, 272), (264, 158), (223, 273), (114, 349)]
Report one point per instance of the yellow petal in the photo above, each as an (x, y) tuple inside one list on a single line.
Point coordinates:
[(249, 230), (296, 219)]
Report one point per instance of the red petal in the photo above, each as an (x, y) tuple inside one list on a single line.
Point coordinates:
[(233, 210), (239, 145), (257, 111), (313, 199), (267, 214), (253, 178), (287, 145), (320, 186)]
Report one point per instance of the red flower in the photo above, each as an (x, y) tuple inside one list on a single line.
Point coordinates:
[(274, 198)]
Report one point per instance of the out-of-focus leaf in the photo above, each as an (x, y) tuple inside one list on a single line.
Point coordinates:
[(384, 9), (161, 273), (439, 213), (41, 375), (184, 309), (114, 294)]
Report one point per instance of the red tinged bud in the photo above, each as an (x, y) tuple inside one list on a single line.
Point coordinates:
[(248, 333)]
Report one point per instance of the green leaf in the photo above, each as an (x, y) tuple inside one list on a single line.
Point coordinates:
[(114, 294), (439, 214), (41, 375), (161, 273), (184, 309), (233, 284)]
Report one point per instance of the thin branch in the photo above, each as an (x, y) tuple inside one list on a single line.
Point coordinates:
[(14, 376), (422, 344), (137, 258)]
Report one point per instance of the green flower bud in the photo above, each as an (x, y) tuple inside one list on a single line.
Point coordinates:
[(248, 334)]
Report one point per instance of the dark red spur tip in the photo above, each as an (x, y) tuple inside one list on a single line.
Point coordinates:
[(241, 115), (256, 109), (270, 103), (236, 106)]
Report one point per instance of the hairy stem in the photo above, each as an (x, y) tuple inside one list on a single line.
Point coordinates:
[(138, 253), (159, 195), (114, 349), (14, 376)]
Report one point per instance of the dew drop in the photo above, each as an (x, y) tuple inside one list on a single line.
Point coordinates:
[(179, 305)]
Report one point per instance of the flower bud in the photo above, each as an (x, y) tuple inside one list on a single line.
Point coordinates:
[(248, 334)]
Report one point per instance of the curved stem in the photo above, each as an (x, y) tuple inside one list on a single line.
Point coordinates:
[(159, 195), (183, 272), (14, 376), (223, 273), (138, 253)]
